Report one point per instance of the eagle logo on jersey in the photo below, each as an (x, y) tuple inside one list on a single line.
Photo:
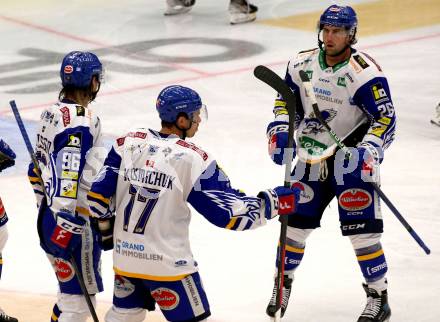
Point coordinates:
[(234, 205), (313, 126)]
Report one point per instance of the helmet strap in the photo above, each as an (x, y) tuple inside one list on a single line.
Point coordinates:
[(94, 93), (183, 136)]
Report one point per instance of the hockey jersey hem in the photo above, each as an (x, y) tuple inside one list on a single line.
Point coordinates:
[(150, 277)]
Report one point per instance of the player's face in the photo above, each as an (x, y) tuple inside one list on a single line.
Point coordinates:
[(335, 39), (196, 120)]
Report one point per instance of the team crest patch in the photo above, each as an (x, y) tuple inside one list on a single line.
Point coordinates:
[(313, 147)]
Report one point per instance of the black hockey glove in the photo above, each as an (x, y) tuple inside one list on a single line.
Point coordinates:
[(7, 156), (105, 228)]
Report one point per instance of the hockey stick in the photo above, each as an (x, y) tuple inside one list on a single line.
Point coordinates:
[(38, 172), (277, 83), (309, 90)]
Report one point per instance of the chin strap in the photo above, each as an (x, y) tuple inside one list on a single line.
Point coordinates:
[(93, 94), (183, 136)]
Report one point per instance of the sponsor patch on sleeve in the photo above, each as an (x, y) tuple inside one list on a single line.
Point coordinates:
[(361, 61), (379, 93)]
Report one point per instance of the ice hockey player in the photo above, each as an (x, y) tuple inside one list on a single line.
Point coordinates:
[(240, 11), (67, 133), (7, 159), (354, 98), (436, 119), (153, 176)]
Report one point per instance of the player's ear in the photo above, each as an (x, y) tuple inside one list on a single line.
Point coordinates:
[(182, 121)]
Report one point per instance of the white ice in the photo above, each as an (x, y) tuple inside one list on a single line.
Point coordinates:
[(237, 268)]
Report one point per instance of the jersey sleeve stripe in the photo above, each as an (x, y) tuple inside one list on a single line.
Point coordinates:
[(82, 211), (97, 197), (231, 223)]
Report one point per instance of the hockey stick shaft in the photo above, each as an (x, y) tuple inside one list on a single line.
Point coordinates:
[(38, 172), (310, 93), (277, 83)]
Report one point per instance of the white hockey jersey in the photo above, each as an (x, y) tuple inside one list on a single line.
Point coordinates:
[(151, 178), (349, 94), (68, 132)]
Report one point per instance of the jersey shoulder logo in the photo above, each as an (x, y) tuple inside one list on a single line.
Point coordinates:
[(361, 61), (80, 110), (66, 115), (379, 93)]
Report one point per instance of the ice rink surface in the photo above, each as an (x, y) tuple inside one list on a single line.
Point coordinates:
[(143, 51)]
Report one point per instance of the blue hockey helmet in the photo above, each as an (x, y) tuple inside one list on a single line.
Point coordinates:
[(78, 68), (340, 16), (176, 99)]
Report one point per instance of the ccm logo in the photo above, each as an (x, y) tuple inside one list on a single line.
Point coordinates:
[(353, 227), (72, 228)]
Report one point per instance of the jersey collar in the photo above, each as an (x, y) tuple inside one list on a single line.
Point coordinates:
[(162, 135), (338, 66)]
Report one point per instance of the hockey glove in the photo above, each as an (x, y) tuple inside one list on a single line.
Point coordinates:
[(67, 234), (105, 228), (7, 156), (277, 133), (280, 201), (369, 158)]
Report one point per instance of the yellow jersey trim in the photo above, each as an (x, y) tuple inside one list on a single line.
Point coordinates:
[(150, 277)]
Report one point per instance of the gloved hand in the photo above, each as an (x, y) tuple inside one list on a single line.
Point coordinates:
[(277, 133), (105, 228), (280, 201), (7, 156), (67, 234), (369, 158)]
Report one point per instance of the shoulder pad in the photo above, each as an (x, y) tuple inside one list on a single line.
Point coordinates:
[(137, 135), (360, 61), (373, 61), (304, 57), (193, 147), (364, 67), (307, 50)]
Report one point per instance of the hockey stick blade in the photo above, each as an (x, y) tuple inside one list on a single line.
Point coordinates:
[(435, 123), (272, 79)]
